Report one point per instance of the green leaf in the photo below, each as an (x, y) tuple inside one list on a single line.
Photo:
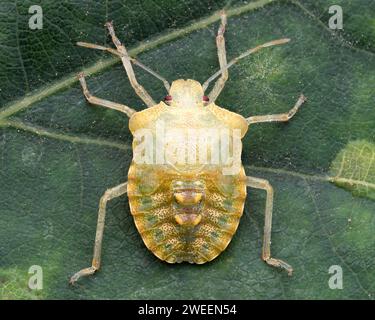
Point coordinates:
[(354, 168), (59, 154), (358, 20), (14, 285)]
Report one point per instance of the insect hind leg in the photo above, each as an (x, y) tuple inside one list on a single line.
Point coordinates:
[(107, 196), (266, 252)]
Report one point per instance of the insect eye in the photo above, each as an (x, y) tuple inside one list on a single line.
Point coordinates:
[(168, 99), (206, 99)]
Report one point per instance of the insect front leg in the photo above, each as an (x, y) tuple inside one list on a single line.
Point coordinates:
[(101, 102), (108, 195), (282, 117), (222, 55), (134, 61), (140, 91), (266, 252)]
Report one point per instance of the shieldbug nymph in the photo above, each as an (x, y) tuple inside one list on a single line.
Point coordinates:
[(186, 183)]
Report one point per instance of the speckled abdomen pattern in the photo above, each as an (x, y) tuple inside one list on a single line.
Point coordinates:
[(151, 204)]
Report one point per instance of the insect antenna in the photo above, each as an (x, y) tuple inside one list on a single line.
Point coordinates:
[(156, 75), (241, 56), (133, 60)]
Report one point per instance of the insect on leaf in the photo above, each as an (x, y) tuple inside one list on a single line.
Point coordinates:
[(59, 154)]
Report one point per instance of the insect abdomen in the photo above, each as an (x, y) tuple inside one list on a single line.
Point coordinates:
[(188, 218)]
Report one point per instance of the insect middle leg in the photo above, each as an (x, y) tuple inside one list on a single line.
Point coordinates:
[(282, 117), (140, 91), (266, 252), (101, 102), (108, 195), (222, 55)]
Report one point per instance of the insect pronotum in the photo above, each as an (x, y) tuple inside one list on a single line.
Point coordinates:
[(186, 192)]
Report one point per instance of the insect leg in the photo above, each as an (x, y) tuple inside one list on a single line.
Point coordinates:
[(108, 195), (133, 60), (241, 56), (126, 61), (101, 102), (266, 252), (282, 117), (222, 55)]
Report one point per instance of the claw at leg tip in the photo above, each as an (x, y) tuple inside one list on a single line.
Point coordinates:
[(72, 281)]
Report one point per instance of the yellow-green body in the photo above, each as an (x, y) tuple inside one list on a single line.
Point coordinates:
[(186, 212), (186, 183)]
